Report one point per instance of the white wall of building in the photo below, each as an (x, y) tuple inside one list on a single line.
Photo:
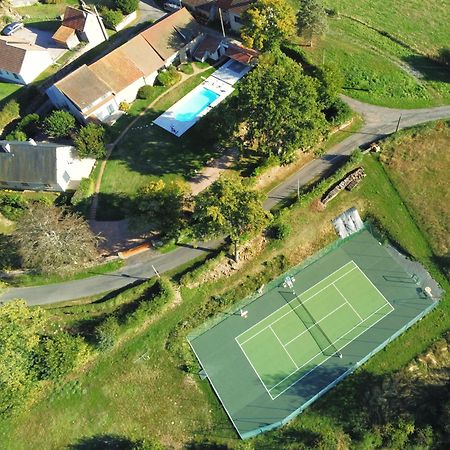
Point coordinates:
[(34, 63), (93, 30)]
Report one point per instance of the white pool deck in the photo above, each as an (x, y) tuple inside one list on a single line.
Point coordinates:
[(221, 82)]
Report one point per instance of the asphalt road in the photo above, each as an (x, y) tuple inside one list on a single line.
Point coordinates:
[(379, 122)]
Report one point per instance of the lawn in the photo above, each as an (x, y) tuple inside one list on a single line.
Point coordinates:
[(7, 90), (384, 50), (148, 152), (137, 389), (419, 164)]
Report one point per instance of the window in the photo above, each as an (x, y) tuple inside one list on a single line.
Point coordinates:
[(16, 76), (24, 184), (238, 19), (110, 108), (66, 177)]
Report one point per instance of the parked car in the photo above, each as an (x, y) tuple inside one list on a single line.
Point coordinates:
[(10, 29)]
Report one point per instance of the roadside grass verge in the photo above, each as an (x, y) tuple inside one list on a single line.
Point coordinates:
[(147, 153), (24, 280), (137, 390)]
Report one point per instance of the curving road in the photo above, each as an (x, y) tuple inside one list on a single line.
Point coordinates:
[(378, 122)]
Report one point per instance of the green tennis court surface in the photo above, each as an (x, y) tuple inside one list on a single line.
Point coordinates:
[(345, 304), (312, 327)]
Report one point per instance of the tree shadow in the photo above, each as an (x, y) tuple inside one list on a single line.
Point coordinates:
[(430, 69), (103, 442)]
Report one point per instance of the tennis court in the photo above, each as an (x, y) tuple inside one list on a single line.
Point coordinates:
[(312, 327), (308, 329)]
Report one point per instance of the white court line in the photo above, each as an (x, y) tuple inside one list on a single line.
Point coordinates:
[(368, 279), (284, 348), (303, 332), (314, 368), (348, 303), (291, 309), (253, 367)]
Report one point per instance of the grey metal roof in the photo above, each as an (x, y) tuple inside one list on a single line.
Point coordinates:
[(27, 163)]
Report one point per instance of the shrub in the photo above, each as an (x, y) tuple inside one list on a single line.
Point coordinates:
[(106, 333), (16, 135), (168, 77), (186, 68), (12, 206), (145, 92), (89, 141), (127, 6), (338, 113), (9, 112), (124, 106), (279, 230), (59, 124), (112, 17), (60, 354), (29, 124)]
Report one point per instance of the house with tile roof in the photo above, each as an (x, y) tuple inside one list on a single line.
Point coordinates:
[(41, 166), (95, 92), (232, 11), (80, 25), (21, 61)]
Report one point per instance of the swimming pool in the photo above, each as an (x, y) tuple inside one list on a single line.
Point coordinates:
[(186, 112), (191, 107)]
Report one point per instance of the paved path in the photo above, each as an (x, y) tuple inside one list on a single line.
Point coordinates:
[(379, 122)]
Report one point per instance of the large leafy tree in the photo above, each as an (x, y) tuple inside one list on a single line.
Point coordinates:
[(311, 19), (20, 328), (229, 207), (267, 23), (163, 203), (279, 108), (54, 240)]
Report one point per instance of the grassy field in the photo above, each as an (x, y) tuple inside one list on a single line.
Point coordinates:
[(421, 25), (148, 152), (419, 164), (386, 52), (137, 389)]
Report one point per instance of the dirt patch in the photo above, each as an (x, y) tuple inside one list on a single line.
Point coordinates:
[(229, 266), (117, 235)]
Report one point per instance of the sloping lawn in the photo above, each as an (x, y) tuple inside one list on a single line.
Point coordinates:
[(148, 152)]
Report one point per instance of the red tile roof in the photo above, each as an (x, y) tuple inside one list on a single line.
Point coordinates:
[(241, 54), (83, 87), (63, 34), (74, 18), (172, 33), (235, 6), (13, 51)]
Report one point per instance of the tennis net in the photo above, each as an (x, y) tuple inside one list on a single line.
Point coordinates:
[(323, 341)]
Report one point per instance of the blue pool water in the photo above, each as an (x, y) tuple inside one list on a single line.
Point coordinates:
[(194, 105)]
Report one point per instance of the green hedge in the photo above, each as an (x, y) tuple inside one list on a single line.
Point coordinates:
[(168, 77)]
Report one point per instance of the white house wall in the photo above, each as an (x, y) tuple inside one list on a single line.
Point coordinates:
[(103, 112), (93, 31), (63, 161), (129, 94), (150, 79), (34, 63)]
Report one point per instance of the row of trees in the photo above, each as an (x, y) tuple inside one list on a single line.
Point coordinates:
[(269, 22), (88, 140)]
